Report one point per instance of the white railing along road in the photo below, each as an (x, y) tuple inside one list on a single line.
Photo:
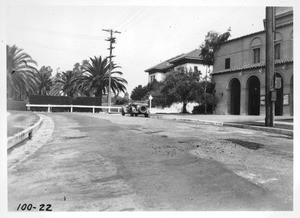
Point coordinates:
[(49, 106)]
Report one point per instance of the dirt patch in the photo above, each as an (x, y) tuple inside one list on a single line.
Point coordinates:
[(74, 137), (246, 144)]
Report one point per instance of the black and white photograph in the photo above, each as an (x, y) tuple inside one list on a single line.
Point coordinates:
[(149, 106)]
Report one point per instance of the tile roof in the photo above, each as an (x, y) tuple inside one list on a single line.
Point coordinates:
[(193, 55), (262, 31), (253, 66), (162, 65)]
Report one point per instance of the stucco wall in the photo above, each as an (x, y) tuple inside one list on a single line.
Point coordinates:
[(190, 66), (240, 51), (223, 90), (159, 76)]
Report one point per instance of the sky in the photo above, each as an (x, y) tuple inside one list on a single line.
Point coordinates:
[(59, 35)]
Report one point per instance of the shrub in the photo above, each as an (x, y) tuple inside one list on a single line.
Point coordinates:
[(120, 101), (200, 109)]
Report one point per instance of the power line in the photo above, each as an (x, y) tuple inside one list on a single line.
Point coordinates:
[(64, 34), (125, 18), (131, 18), (134, 18), (51, 48), (139, 20)]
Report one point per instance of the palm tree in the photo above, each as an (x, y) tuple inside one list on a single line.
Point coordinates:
[(95, 78), (21, 80), (44, 80), (65, 83)]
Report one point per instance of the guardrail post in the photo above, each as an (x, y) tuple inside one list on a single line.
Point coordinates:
[(93, 109), (71, 108), (48, 108)]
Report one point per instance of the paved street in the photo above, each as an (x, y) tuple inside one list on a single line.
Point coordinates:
[(99, 162)]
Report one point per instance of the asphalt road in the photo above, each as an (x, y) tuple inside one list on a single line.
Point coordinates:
[(98, 162)]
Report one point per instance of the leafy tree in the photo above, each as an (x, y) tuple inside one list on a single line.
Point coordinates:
[(78, 68), (95, 78), (20, 73), (154, 86), (181, 87), (118, 100), (44, 80), (142, 93), (65, 83), (138, 93), (207, 94), (211, 45)]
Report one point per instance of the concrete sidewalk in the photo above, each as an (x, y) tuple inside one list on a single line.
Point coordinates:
[(246, 122)]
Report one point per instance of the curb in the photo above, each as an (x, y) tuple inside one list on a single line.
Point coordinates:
[(26, 133), (206, 122), (260, 128), (216, 123)]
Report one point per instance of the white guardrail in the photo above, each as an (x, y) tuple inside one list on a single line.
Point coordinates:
[(49, 106)]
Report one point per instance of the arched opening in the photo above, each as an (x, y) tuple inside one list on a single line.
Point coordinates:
[(279, 98), (253, 85), (235, 96), (255, 50), (292, 96)]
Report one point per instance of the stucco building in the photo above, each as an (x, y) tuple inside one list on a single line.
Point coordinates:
[(239, 70), (189, 61)]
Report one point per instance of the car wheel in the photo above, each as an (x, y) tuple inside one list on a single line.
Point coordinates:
[(136, 115), (131, 115), (146, 115), (143, 109), (123, 114)]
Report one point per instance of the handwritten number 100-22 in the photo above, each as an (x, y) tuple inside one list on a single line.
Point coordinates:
[(29, 207)]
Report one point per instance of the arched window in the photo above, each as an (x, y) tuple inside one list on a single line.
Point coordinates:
[(277, 46), (255, 49)]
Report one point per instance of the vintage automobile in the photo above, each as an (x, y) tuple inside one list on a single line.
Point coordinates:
[(134, 109)]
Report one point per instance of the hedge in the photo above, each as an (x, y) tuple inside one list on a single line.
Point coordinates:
[(45, 99), (86, 101), (63, 100)]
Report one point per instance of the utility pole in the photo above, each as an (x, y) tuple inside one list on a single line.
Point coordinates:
[(270, 91), (112, 41)]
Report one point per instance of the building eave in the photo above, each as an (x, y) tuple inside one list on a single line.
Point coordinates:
[(186, 59), (253, 66)]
